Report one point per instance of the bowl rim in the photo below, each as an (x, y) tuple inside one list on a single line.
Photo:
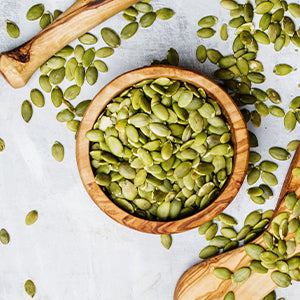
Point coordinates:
[(240, 140)]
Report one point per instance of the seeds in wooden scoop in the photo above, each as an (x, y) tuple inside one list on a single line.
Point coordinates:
[(170, 151)]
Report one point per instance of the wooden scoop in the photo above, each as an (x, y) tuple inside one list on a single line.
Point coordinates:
[(18, 65), (199, 282)]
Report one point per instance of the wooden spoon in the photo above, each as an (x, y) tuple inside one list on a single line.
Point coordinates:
[(199, 282), (18, 65)]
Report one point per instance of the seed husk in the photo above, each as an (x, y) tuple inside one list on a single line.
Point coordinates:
[(110, 37), (241, 275), (281, 279), (58, 151), (30, 288), (166, 240), (35, 12), (129, 30), (12, 29), (222, 273), (37, 98), (147, 19), (279, 153), (208, 252), (31, 217), (4, 236), (26, 111), (88, 39), (206, 32), (208, 21), (165, 13)]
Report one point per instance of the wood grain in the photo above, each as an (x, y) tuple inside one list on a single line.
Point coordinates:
[(239, 136), (199, 282), (18, 65)]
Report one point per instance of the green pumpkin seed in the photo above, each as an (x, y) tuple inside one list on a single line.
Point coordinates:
[(229, 296), (265, 21), (58, 151), (73, 125), (268, 257), (143, 7), (256, 77), (165, 13), (26, 111), (268, 166), (173, 57), (208, 21), (269, 178), (295, 104), (203, 228), (211, 231), (253, 176), (12, 29), (208, 252), (56, 96), (261, 37), (229, 4), (129, 30), (110, 37), (147, 19), (72, 92), (219, 241), (254, 157), (290, 121), (262, 108), (166, 240), (4, 236), (263, 7), (88, 57), (55, 62), (55, 78), (65, 52), (281, 279), (46, 20), (31, 217), (2, 145), (297, 236), (30, 288), (70, 68), (254, 251), (35, 12), (296, 172), (282, 69), (206, 32), (294, 9), (241, 275), (65, 116), (100, 66), (223, 32), (279, 153), (88, 39), (257, 267), (91, 75), (37, 98), (222, 273), (104, 52), (201, 53), (276, 111), (296, 209)]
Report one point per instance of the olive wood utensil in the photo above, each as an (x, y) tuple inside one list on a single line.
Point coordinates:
[(199, 282), (18, 65), (239, 138)]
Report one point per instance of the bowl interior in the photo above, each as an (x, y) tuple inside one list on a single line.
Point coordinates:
[(239, 139)]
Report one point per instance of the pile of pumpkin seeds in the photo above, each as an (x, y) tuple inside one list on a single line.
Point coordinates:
[(161, 150), (279, 252)]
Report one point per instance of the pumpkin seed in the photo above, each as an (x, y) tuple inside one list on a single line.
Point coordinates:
[(12, 29), (229, 4), (208, 21), (58, 151), (241, 275), (208, 252), (269, 178), (30, 288), (254, 251), (296, 172), (268, 257), (143, 7), (88, 39), (110, 37), (263, 7), (290, 121), (201, 53), (55, 62), (72, 92), (45, 20), (37, 98), (172, 57), (100, 66), (104, 52), (282, 69), (56, 96), (129, 30), (4, 236), (222, 273), (294, 9), (35, 12), (55, 78), (279, 153), (276, 111), (65, 52), (26, 111), (70, 68), (281, 279), (206, 32), (88, 57), (147, 19), (31, 217), (165, 13), (229, 296), (65, 115), (166, 240)]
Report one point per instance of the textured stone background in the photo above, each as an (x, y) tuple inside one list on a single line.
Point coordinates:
[(75, 251)]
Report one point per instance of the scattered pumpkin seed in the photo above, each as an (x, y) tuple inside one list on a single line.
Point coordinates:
[(4, 236), (35, 12), (30, 288), (31, 217), (58, 151), (12, 29)]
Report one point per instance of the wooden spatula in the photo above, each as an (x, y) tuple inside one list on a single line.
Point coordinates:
[(18, 65), (199, 283)]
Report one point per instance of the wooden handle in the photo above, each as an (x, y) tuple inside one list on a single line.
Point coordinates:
[(199, 283), (18, 65)]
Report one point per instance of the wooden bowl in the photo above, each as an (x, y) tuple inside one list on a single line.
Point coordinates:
[(240, 142)]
